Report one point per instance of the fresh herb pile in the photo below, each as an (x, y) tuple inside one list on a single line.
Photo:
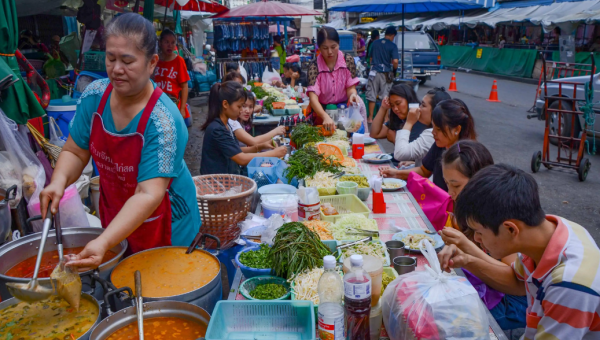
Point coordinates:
[(307, 162), (256, 258), (268, 291), (259, 92), (295, 249), (304, 133)]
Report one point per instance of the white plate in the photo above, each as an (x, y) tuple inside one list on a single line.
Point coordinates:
[(370, 158), (393, 180), (437, 239), (369, 140)]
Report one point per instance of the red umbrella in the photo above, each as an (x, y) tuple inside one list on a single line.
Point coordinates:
[(193, 5), (273, 29), (267, 9)]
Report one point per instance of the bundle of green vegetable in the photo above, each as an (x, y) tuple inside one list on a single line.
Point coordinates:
[(256, 258), (307, 162), (304, 133), (296, 248), (259, 92), (268, 291)]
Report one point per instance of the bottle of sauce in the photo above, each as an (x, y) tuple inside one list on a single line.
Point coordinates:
[(331, 312), (357, 301)]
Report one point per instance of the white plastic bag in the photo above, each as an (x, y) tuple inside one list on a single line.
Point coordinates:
[(19, 164), (243, 72), (431, 304), (273, 224), (56, 136), (269, 76), (353, 122)]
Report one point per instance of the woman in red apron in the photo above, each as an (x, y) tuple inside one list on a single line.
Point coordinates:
[(136, 136)]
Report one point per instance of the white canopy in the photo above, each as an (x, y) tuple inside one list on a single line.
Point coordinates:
[(395, 21)]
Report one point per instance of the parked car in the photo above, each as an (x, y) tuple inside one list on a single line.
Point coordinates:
[(567, 91), (297, 43), (425, 54)]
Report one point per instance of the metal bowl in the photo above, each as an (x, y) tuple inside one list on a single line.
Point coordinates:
[(154, 309), (19, 250), (86, 336)]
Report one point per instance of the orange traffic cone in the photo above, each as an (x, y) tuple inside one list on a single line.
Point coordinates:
[(494, 94), (452, 87)]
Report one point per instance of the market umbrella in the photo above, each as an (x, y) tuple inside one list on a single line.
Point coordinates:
[(267, 9), (18, 101), (193, 5), (273, 29), (405, 6)]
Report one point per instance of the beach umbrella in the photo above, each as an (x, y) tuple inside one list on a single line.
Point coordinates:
[(18, 101), (407, 6), (267, 9)]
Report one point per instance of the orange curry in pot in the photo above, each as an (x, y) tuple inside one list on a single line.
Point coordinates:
[(167, 271), (162, 329)]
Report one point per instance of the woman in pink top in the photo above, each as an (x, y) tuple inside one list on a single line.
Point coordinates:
[(331, 78)]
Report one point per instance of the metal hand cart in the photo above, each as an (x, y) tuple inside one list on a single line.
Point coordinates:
[(570, 148)]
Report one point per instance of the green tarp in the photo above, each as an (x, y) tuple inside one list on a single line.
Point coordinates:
[(18, 102), (505, 61)]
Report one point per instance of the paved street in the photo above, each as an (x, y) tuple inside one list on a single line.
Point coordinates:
[(512, 138), (507, 133)]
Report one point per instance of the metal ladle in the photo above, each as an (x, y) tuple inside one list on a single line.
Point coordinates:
[(31, 291), (139, 303)]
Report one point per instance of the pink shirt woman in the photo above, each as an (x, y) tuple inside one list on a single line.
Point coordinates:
[(331, 78)]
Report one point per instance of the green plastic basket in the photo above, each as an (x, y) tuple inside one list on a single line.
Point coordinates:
[(249, 285), (344, 204)]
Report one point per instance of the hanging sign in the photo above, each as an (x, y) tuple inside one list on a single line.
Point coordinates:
[(479, 53), (367, 19)]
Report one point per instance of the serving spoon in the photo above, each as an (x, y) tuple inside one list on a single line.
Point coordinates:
[(31, 291), (139, 303)]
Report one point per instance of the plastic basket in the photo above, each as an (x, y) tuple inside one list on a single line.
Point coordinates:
[(247, 286), (344, 204), (270, 172), (322, 191), (94, 61), (262, 320), (220, 215), (250, 272), (387, 261)]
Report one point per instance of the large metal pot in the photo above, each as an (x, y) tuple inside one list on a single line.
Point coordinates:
[(19, 250), (5, 219), (151, 310), (86, 336), (206, 296)]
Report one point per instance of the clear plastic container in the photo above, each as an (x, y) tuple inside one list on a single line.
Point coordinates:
[(357, 300), (374, 267), (284, 205), (375, 321), (331, 313)]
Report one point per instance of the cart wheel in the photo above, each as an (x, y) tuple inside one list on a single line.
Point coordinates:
[(584, 168), (536, 161)]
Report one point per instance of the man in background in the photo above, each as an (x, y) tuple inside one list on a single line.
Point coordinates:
[(383, 69)]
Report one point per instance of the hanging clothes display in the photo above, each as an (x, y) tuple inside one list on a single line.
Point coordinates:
[(254, 68), (235, 37)]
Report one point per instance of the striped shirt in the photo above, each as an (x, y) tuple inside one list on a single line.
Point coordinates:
[(563, 290)]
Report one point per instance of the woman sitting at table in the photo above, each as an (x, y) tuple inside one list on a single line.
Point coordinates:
[(452, 122), (459, 164), (221, 152), (332, 79), (398, 99)]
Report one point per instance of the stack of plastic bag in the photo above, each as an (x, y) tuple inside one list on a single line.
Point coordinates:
[(433, 305)]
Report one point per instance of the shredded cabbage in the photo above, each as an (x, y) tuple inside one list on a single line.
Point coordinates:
[(366, 248), (352, 221)]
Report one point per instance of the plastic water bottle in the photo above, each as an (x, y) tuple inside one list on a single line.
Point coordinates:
[(331, 312), (342, 113), (357, 301)]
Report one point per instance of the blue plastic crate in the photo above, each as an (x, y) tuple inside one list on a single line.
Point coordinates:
[(289, 320)]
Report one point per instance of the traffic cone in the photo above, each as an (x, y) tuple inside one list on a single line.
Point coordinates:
[(452, 87), (494, 94)]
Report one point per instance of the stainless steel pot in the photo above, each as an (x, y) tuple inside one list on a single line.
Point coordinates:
[(206, 296), (86, 336), (19, 250), (5, 219), (151, 310)]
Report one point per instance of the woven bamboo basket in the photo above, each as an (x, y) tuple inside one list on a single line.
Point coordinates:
[(221, 214)]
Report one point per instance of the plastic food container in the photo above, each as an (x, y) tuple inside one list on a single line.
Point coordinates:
[(278, 105), (250, 284), (374, 267), (280, 204), (344, 204), (375, 321), (347, 188)]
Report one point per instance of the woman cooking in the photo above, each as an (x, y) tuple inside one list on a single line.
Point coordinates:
[(137, 137), (331, 78)]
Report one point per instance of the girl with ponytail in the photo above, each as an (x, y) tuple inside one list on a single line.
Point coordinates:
[(221, 153)]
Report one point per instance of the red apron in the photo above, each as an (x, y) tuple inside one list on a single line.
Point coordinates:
[(117, 158)]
